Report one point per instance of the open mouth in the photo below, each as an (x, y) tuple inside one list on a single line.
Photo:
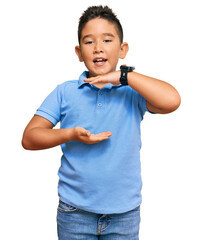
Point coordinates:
[(99, 60)]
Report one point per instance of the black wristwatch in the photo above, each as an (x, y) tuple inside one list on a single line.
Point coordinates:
[(124, 72)]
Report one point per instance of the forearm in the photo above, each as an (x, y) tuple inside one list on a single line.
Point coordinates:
[(158, 93), (42, 138), (161, 97)]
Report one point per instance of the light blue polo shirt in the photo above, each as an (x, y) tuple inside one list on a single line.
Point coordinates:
[(104, 177)]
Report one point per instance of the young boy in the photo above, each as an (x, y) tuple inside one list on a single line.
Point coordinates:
[(100, 114)]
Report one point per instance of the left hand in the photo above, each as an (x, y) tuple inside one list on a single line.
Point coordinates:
[(112, 77)]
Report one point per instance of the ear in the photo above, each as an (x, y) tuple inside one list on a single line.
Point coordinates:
[(78, 53), (124, 50)]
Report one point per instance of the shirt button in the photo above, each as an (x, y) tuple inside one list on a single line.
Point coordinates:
[(100, 92), (99, 104)]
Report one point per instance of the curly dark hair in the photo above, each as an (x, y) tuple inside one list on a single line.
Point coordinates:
[(99, 12)]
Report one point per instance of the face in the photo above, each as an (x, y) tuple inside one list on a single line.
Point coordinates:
[(100, 47)]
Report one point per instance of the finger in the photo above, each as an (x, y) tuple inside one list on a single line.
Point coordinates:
[(98, 79), (91, 83), (103, 135), (85, 133), (87, 80), (108, 133), (90, 79), (99, 138), (88, 134)]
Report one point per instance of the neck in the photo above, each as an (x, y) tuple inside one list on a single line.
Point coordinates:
[(100, 85)]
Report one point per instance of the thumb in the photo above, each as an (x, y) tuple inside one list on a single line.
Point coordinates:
[(85, 133)]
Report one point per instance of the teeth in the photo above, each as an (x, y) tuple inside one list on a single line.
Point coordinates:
[(99, 60)]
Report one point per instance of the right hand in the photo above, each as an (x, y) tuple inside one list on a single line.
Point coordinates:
[(83, 135)]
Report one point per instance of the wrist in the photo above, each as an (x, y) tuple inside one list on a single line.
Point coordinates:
[(125, 70), (69, 134), (130, 76)]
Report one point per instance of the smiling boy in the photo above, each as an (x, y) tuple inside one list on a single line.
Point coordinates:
[(100, 47), (100, 175)]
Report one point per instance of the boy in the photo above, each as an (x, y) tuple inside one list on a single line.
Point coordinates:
[(100, 114)]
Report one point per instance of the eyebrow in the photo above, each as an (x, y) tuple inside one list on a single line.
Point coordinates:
[(104, 34)]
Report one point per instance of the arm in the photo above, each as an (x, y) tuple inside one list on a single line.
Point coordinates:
[(161, 97), (39, 135)]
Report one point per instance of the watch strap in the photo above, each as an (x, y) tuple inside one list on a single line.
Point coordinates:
[(124, 73), (123, 79)]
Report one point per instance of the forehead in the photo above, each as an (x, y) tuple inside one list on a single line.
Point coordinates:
[(99, 26)]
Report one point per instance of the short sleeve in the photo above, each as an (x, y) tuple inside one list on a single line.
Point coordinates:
[(50, 108), (142, 103)]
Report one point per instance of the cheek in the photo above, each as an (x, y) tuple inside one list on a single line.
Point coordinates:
[(87, 60), (86, 55), (114, 58), (115, 52)]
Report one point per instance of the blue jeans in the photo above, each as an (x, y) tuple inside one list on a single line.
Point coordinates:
[(74, 223)]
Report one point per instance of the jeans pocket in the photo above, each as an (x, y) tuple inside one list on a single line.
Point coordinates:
[(65, 208)]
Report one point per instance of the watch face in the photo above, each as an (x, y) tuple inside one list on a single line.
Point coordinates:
[(128, 68)]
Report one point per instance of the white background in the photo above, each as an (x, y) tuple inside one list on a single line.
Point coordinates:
[(37, 53)]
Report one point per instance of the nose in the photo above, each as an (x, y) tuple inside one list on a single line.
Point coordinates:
[(98, 47)]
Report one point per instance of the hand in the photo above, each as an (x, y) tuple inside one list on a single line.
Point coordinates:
[(83, 135), (112, 77)]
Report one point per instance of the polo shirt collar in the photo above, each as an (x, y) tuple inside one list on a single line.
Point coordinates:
[(82, 77), (85, 74)]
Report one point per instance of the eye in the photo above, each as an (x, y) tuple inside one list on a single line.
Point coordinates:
[(89, 42), (107, 40)]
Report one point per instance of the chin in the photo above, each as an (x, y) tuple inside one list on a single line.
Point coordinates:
[(99, 72)]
